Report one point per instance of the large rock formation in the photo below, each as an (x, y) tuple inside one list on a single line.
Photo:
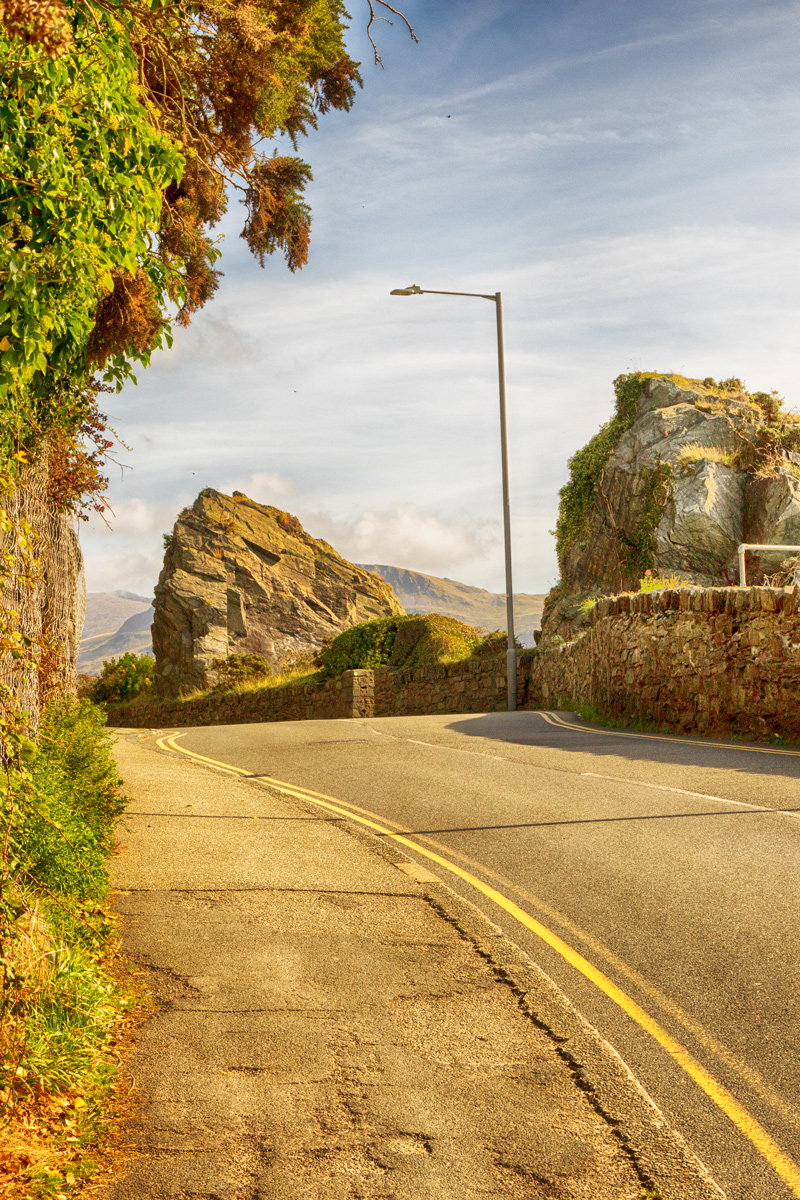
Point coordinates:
[(684, 472), (245, 578)]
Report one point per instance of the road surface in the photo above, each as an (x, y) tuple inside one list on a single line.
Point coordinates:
[(657, 880)]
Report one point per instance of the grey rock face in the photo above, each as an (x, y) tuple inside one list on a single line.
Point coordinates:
[(245, 578), (709, 504), (702, 524)]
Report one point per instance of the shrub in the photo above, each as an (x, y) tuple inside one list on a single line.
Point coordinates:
[(406, 642), (124, 678), (60, 1006), (362, 647), (237, 669)]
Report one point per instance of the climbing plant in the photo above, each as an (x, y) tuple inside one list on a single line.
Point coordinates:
[(578, 496)]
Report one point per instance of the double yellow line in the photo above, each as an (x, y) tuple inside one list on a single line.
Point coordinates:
[(780, 1162), (554, 719)]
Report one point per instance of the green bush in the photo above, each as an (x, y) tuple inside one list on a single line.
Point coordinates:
[(363, 647), (578, 496), (66, 824), (406, 642), (59, 1003), (124, 678), (240, 668)]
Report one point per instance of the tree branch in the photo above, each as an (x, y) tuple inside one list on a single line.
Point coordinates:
[(373, 18)]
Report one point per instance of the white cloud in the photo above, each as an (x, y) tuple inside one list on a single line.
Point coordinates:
[(125, 572), (404, 536), (264, 487), (134, 518)]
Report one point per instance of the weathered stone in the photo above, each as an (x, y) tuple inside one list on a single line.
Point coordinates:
[(245, 578), (772, 517), (702, 524), (683, 455)]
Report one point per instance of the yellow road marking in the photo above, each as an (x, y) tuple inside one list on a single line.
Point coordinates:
[(706, 1039), (780, 1162), (554, 719)]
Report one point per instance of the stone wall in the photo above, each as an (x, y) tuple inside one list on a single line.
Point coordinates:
[(696, 660), (349, 695), (690, 660), (478, 686), (455, 687)]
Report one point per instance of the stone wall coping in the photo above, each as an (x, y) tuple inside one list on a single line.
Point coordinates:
[(697, 599)]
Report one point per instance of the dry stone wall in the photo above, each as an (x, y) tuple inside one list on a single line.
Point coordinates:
[(451, 687), (692, 660), (689, 660), (455, 687), (349, 695)]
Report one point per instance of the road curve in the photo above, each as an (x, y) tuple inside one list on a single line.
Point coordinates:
[(666, 867)]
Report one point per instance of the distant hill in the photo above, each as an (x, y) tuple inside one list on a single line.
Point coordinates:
[(420, 593), (116, 622)]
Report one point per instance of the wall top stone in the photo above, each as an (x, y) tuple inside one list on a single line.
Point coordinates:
[(699, 600)]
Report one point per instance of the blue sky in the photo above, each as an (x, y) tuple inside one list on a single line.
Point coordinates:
[(624, 171)]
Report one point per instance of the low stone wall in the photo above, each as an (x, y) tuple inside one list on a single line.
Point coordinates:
[(702, 660), (470, 686), (691, 660), (349, 695)]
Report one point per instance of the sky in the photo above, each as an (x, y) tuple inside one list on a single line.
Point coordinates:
[(624, 172)]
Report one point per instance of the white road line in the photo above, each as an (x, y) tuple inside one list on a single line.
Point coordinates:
[(455, 749), (662, 787)]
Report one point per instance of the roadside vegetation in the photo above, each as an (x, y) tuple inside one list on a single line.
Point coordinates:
[(398, 643), (402, 643), (62, 1006), (124, 129)]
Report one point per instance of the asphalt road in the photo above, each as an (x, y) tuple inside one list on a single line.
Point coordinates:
[(665, 863)]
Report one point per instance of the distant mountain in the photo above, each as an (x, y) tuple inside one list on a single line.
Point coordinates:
[(420, 593), (116, 622)]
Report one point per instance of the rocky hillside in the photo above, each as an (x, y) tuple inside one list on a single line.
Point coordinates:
[(424, 594), (245, 578), (683, 472)]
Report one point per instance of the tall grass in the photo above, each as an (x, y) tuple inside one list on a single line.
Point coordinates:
[(61, 1006)]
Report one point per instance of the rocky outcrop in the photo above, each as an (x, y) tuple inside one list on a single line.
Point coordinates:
[(245, 578), (684, 472)]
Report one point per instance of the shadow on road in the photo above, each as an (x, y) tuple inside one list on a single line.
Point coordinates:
[(530, 728), (678, 816)]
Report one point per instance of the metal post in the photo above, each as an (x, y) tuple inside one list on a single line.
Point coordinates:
[(511, 654)]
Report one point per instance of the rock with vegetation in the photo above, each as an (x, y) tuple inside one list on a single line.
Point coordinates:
[(683, 472), (245, 578)]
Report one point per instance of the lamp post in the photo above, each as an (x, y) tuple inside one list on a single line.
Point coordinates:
[(511, 655)]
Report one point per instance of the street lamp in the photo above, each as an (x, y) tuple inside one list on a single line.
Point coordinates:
[(511, 655)]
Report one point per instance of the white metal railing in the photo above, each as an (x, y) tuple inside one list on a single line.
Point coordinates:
[(745, 546)]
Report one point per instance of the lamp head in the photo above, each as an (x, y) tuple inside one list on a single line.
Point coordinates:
[(412, 290)]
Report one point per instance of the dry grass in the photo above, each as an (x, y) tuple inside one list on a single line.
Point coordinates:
[(297, 675), (694, 452), (654, 583)]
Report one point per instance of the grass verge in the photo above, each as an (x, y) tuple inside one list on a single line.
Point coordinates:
[(65, 1003)]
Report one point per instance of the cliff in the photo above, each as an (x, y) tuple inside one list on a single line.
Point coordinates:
[(245, 578), (683, 472)]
